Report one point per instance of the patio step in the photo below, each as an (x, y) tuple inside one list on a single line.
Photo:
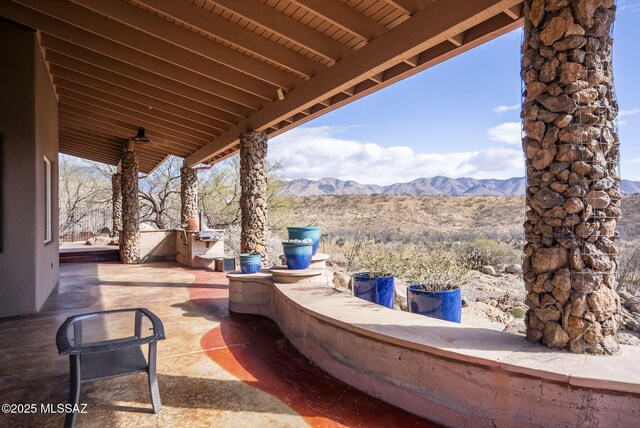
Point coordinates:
[(89, 256)]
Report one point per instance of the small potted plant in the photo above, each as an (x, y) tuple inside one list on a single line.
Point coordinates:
[(381, 264), (298, 253), (435, 279)]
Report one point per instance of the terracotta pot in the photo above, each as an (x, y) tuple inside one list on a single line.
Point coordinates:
[(192, 223)]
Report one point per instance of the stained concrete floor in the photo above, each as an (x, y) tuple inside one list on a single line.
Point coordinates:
[(216, 369)]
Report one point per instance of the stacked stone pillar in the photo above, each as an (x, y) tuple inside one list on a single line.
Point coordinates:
[(130, 236), (116, 203), (188, 194), (573, 189), (253, 197)]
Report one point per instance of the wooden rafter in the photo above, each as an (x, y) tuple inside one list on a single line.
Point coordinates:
[(427, 28), (287, 27), (345, 17), (222, 29)]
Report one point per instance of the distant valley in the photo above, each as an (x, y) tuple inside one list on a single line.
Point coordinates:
[(421, 186)]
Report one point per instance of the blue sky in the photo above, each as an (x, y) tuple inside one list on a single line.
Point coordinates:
[(458, 119)]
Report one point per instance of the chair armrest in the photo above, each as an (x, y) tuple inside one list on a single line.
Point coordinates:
[(65, 348)]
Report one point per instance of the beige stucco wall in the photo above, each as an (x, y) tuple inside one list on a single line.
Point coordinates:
[(157, 245), (28, 124)]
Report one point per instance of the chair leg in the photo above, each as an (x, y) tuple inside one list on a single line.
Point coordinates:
[(74, 389), (153, 380)]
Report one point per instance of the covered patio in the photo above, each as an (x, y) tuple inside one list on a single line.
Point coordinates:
[(129, 83), (216, 368)]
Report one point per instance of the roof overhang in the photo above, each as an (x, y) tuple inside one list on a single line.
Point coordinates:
[(198, 73)]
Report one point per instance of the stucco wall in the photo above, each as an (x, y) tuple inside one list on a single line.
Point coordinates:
[(46, 144), (157, 245), (28, 123)]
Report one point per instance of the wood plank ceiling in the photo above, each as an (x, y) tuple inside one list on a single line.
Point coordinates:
[(197, 73)]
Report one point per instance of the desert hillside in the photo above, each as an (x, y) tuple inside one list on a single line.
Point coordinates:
[(426, 218)]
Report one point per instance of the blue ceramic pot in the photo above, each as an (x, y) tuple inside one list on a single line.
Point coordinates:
[(298, 254), (444, 305), (376, 289), (250, 263), (306, 232)]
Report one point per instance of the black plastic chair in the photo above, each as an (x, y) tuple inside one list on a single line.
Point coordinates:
[(90, 361)]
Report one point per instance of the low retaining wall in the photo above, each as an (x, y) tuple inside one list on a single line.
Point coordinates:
[(157, 245), (447, 373)]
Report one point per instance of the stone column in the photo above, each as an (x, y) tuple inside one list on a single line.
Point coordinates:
[(130, 236), (253, 197), (573, 189), (116, 187), (188, 193)]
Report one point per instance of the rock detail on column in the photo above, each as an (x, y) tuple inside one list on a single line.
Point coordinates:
[(116, 203), (188, 194), (130, 236), (573, 189), (253, 197)]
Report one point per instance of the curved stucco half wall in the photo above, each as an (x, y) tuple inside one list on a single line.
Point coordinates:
[(447, 373)]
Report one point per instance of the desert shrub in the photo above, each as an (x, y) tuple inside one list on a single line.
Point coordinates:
[(383, 259), (483, 252), (438, 269)]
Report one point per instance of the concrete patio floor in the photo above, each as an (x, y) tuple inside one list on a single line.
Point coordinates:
[(215, 369)]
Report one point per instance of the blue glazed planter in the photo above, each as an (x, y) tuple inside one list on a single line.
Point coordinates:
[(298, 254), (306, 232), (250, 263), (444, 305), (376, 289)]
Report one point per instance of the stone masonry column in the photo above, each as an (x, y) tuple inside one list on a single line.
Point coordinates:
[(116, 187), (253, 196), (130, 236), (188, 194), (573, 189)]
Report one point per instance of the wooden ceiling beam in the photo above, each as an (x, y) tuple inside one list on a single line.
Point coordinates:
[(515, 12), (427, 28), (103, 74), (477, 35), (90, 143), (135, 110), (155, 26), (173, 131), (58, 48), (88, 155), (109, 128), (212, 24), (201, 76), (158, 141), (287, 27), (145, 120), (82, 18), (408, 7), (125, 89), (345, 17)]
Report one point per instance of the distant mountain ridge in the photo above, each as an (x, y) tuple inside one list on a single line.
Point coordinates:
[(422, 186)]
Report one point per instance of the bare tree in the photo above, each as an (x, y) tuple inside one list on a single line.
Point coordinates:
[(160, 195), (83, 188)]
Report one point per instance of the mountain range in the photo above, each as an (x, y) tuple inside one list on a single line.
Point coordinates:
[(421, 186)]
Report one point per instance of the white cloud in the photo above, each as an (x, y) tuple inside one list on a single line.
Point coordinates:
[(317, 152), (629, 112), (503, 108), (508, 132)]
